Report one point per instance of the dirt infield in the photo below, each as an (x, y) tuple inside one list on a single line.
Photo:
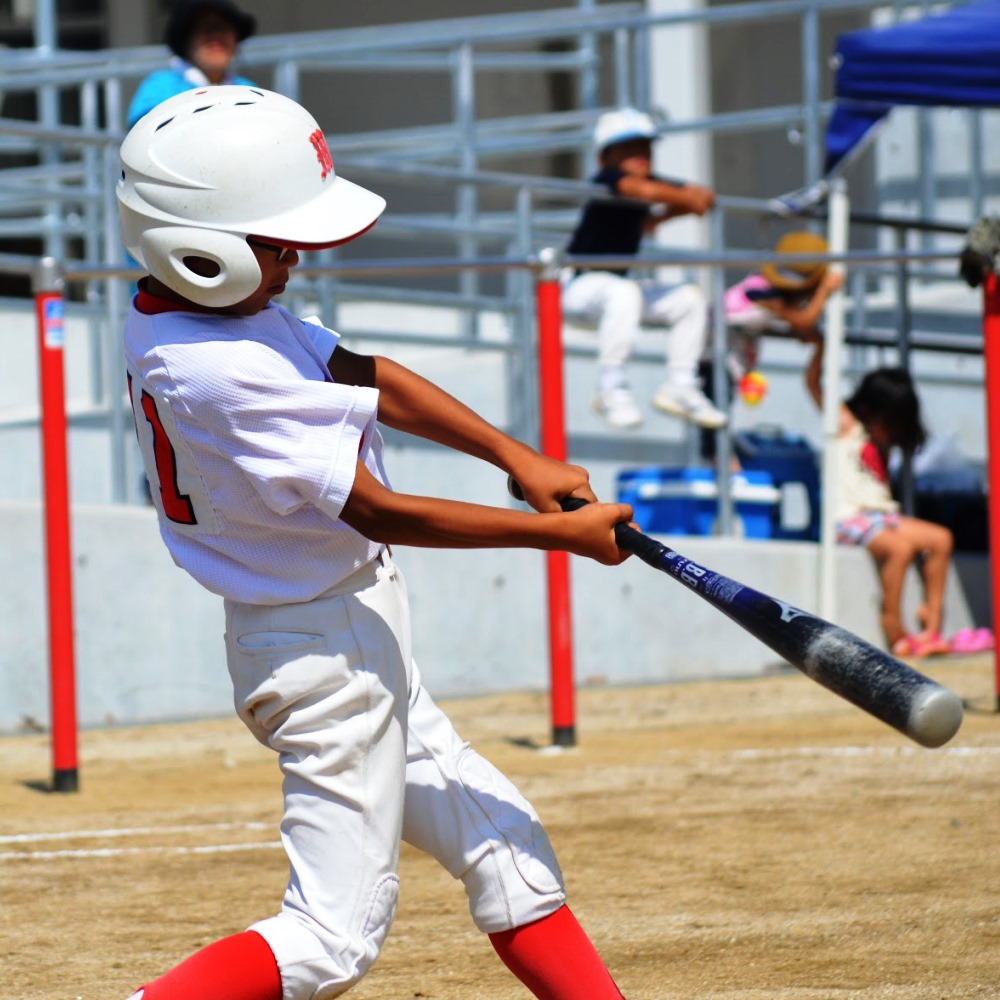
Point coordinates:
[(748, 839)]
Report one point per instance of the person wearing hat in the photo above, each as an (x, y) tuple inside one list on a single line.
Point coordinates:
[(203, 36), (782, 297), (790, 292), (618, 303)]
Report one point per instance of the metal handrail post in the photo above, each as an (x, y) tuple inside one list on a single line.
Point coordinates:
[(623, 89), (589, 82), (720, 380), (522, 370), (641, 71), (113, 355), (464, 105), (832, 366), (92, 236), (287, 79), (904, 325), (811, 96)]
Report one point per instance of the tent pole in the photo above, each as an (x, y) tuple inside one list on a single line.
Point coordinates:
[(834, 339)]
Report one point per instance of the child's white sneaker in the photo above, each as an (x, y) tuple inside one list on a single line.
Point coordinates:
[(689, 403), (618, 408)]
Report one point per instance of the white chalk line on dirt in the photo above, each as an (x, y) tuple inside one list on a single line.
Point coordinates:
[(134, 831), (129, 833), (115, 852), (197, 828)]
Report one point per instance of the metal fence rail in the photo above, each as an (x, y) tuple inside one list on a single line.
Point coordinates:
[(491, 221)]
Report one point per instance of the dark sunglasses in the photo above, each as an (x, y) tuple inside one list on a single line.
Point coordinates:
[(281, 253)]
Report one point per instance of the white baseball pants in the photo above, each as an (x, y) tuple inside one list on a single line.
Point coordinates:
[(620, 305), (368, 758)]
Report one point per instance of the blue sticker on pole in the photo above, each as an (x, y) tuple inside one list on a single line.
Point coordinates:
[(55, 331)]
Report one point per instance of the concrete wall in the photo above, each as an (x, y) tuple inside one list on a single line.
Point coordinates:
[(149, 640)]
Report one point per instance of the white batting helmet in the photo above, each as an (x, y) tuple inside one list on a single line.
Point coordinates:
[(621, 125), (208, 168)]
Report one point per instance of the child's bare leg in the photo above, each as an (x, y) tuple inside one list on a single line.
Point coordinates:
[(935, 543), (893, 554), (923, 613)]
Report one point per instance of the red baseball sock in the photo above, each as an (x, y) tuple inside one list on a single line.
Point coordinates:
[(556, 960), (240, 967)]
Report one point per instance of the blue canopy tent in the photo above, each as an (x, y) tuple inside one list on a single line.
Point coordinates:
[(949, 59)]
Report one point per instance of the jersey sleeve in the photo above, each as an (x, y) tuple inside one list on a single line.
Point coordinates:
[(275, 414), (322, 339), (301, 444)]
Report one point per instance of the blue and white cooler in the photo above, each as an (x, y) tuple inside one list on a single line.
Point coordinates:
[(685, 501)]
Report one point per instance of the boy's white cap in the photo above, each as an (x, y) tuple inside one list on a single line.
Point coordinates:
[(621, 126)]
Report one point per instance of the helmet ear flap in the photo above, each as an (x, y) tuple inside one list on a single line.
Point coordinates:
[(164, 249)]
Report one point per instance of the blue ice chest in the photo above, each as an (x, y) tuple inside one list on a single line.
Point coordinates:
[(685, 501), (793, 465)]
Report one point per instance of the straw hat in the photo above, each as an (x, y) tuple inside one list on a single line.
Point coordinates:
[(797, 277)]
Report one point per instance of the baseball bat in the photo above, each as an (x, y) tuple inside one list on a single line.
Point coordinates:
[(842, 662)]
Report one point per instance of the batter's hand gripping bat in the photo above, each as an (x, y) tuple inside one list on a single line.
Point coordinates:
[(839, 660)]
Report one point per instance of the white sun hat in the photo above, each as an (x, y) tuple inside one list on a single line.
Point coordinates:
[(621, 126)]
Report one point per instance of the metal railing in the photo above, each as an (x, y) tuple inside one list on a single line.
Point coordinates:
[(49, 283), (490, 221)]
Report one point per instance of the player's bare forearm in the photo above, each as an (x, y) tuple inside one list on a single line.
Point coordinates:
[(409, 402), (404, 519)]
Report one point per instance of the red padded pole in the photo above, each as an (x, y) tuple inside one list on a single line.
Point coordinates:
[(548, 303), (991, 357), (62, 679)]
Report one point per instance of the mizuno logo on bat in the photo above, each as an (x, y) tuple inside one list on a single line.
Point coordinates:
[(788, 613)]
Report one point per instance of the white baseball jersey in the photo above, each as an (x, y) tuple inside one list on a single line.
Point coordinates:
[(250, 448)]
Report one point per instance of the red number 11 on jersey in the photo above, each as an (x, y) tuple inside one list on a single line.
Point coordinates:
[(176, 505)]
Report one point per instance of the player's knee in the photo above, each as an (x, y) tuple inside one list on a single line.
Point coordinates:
[(317, 956), (514, 877), (509, 887)]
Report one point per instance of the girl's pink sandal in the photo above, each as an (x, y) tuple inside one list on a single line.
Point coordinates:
[(916, 647), (972, 640)]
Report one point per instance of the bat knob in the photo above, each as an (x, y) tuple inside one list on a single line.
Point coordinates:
[(514, 488)]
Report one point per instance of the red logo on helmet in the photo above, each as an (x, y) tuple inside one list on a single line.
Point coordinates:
[(322, 152)]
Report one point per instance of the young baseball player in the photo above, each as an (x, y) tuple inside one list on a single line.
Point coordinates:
[(260, 439)]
